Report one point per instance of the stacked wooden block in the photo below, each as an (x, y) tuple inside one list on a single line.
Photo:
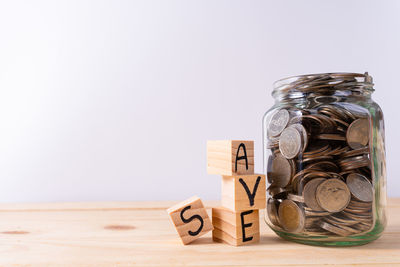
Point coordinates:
[(237, 221)]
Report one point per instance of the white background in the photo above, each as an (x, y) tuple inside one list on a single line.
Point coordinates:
[(114, 100)]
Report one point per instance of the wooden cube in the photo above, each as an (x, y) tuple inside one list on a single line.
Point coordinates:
[(229, 157), (190, 219), (244, 192), (235, 228)]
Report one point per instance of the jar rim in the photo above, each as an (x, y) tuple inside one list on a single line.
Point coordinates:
[(362, 82)]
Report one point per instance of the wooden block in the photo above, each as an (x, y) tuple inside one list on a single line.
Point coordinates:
[(229, 157), (235, 228), (190, 219), (243, 192)]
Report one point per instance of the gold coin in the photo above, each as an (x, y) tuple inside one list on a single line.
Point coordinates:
[(291, 216), (333, 195), (272, 209), (281, 171), (358, 133)]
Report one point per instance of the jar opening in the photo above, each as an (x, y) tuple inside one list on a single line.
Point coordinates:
[(323, 84)]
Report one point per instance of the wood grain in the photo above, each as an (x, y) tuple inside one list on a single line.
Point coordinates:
[(140, 234), (228, 226), (234, 195), (193, 207), (221, 157)]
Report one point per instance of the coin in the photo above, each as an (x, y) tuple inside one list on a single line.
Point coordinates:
[(360, 187), (354, 162), (295, 198), (335, 229), (355, 152), (313, 159), (269, 168), (304, 135), (323, 166), (333, 195), (309, 212), (336, 137), (309, 194), (311, 222), (278, 122), (277, 192), (358, 133), (281, 171), (313, 152), (272, 210), (290, 142), (359, 204), (338, 151), (291, 216), (317, 149), (342, 221), (273, 143)]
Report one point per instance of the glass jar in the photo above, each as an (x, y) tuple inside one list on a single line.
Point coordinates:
[(324, 156)]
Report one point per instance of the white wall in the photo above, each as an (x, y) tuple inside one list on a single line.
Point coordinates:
[(114, 100)]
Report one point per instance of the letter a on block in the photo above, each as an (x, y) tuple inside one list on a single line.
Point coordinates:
[(244, 192), (230, 157), (190, 219)]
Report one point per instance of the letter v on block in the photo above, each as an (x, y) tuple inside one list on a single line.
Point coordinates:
[(244, 192)]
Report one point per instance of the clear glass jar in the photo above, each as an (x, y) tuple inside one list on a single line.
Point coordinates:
[(324, 156)]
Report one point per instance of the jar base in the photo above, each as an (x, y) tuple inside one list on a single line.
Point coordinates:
[(334, 241)]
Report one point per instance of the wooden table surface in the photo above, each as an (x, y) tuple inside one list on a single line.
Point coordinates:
[(140, 233)]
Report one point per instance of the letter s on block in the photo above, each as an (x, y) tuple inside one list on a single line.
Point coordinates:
[(198, 217)]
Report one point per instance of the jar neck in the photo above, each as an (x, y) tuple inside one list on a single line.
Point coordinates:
[(324, 87)]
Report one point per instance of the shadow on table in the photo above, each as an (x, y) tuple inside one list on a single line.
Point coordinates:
[(264, 240)]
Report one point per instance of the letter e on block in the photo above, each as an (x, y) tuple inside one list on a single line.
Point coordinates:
[(190, 219), (230, 157), (235, 227), (243, 192)]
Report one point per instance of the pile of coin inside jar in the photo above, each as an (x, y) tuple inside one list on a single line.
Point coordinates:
[(319, 173)]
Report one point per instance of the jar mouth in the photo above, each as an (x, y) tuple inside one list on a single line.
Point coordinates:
[(323, 84)]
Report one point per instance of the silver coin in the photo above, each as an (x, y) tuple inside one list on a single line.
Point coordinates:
[(304, 135), (360, 187), (309, 194), (278, 122), (333, 195), (290, 142), (335, 229)]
